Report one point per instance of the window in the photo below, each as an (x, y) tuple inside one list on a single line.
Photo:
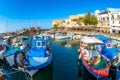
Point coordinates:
[(43, 43), (112, 16), (103, 19), (118, 16), (119, 22), (113, 22), (38, 44), (107, 18)]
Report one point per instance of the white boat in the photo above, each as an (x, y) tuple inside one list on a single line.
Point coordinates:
[(94, 62), (61, 36), (43, 36), (77, 37), (2, 51)]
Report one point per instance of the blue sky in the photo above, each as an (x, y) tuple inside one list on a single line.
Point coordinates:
[(18, 14)]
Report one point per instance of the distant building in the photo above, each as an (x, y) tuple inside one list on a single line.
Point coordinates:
[(110, 18), (68, 23)]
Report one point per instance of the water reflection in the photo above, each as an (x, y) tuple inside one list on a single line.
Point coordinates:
[(82, 72), (85, 74), (45, 73)]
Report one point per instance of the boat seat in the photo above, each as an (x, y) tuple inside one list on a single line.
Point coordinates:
[(99, 65)]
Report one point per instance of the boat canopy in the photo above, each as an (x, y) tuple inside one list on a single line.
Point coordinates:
[(107, 49), (110, 53), (102, 37), (91, 40)]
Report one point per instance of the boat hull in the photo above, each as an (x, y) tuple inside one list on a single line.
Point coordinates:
[(62, 37), (96, 73), (2, 52), (41, 65)]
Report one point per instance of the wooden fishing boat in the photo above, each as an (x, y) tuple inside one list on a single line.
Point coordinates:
[(30, 57), (94, 62)]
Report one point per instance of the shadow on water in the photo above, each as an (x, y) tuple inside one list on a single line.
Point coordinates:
[(45, 73), (114, 73), (82, 72)]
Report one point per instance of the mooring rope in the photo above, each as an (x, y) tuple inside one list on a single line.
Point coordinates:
[(10, 73), (26, 76)]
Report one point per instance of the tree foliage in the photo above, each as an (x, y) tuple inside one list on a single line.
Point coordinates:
[(55, 26), (79, 21), (90, 19)]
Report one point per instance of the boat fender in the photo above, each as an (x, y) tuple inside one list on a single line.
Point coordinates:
[(47, 53), (2, 77), (19, 60)]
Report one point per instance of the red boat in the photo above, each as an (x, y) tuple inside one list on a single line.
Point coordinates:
[(94, 62)]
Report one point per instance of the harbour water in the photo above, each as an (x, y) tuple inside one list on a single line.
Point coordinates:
[(64, 65)]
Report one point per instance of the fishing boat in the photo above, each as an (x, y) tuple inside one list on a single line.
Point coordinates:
[(2, 51), (110, 52), (28, 57), (91, 57), (43, 36), (62, 36)]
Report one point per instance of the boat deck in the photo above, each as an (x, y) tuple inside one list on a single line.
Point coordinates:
[(11, 74)]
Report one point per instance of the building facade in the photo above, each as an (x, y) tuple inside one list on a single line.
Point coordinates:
[(110, 19), (70, 22)]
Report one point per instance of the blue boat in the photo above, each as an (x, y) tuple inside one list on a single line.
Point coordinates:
[(107, 48), (113, 55), (34, 56)]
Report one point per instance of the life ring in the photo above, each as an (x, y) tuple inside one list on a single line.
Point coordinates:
[(19, 59)]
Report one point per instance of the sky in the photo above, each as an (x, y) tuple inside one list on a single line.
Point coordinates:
[(18, 14)]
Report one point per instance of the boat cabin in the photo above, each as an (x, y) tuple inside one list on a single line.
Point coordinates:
[(107, 48), (107, 41), (90, 47), (42, 37), (40, 44)]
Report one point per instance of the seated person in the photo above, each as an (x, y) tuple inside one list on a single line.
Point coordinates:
[(91, 47), (86, 54)]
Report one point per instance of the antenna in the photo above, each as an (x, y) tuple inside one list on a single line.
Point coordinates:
[(25, 24), (32, 23), (38, 24), (6, 26)]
